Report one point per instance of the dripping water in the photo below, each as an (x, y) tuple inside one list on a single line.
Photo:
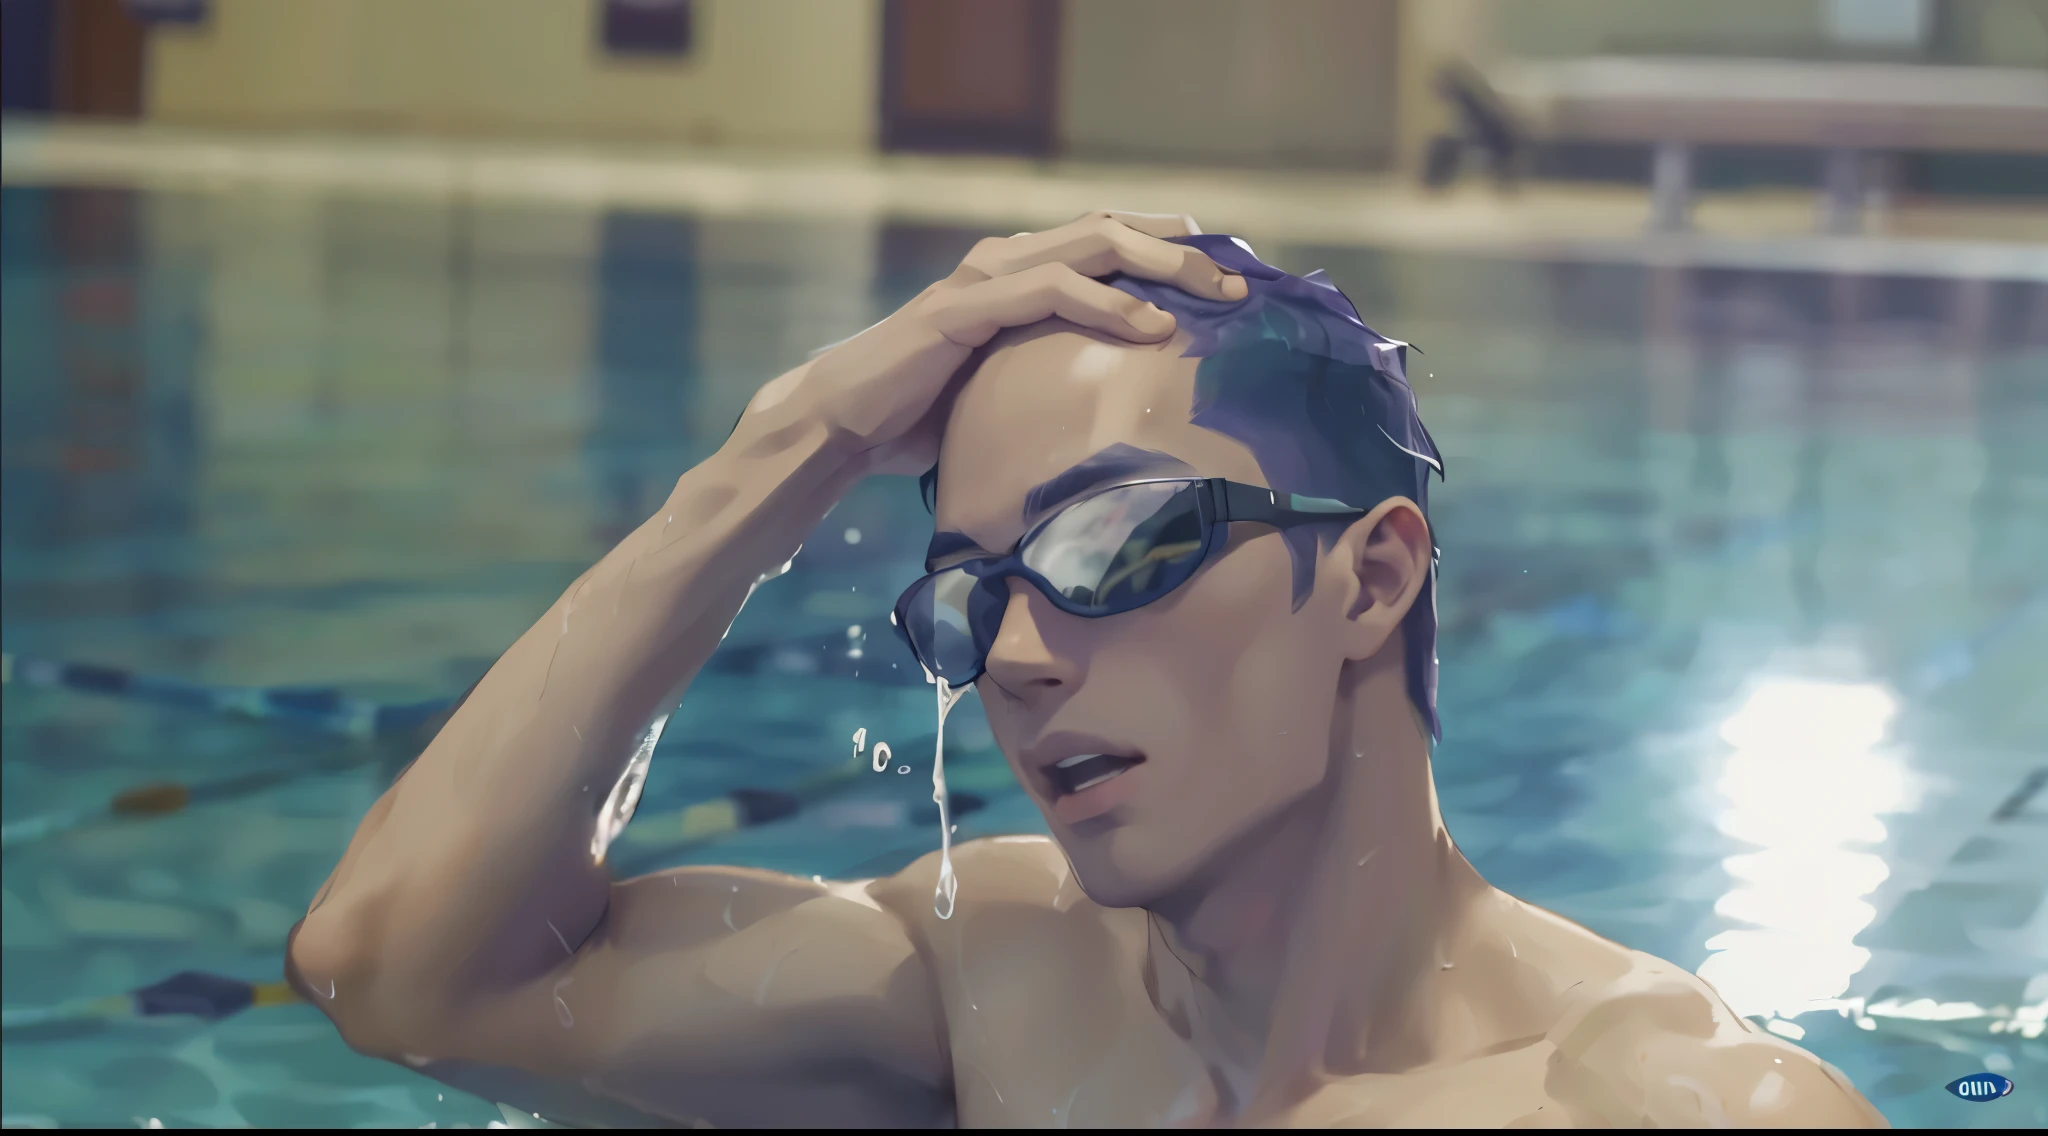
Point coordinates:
[(949, 885)]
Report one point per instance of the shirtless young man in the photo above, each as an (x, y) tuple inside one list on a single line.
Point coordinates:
[(1259, 920)]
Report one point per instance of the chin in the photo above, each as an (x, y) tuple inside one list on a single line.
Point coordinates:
[(1125, 869)]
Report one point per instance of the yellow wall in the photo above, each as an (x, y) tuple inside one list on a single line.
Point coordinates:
[(1259, 82), (2001, 33), (1343, 83), (772, 73), (1669, 27)]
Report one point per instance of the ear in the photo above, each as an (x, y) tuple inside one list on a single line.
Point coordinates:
[(1385, 557)]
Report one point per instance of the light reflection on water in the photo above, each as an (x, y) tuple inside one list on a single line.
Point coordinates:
[(255, 437), (1806, 784)]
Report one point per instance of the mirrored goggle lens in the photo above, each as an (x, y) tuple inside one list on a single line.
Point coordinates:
[(941, 620), (1122, 548)]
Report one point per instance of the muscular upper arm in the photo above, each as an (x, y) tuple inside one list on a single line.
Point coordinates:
[(726, 995), (1659, 1048)]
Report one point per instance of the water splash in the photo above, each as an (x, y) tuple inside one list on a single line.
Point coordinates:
[(758, 581), (770, 575), (625, 796), (949, 885), (880, 761)]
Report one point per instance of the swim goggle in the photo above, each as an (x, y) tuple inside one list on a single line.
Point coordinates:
[(1111, 552)]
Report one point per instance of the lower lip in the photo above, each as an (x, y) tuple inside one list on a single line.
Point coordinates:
[(1092, 802)]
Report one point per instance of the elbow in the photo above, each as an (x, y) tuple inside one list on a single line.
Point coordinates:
[(330, 965)]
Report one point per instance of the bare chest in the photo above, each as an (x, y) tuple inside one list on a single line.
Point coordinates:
[(1096, 1053)]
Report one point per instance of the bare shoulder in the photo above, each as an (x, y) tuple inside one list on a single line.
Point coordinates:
[(1657, 1046), (998, 873), (1019, 919)]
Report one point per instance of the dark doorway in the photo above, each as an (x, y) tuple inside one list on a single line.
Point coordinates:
[(99, 59), (27, 33), (977, 77)]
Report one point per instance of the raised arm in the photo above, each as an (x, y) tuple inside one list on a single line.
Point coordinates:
[(472, 929), (476, 887)]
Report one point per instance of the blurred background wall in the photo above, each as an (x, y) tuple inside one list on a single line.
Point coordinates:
[(1260, 82), (795, 73), (1345, 84)]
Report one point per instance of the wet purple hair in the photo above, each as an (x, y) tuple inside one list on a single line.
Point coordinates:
[(1321, 400)]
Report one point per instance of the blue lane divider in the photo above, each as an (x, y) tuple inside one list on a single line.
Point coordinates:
[(321, 708)]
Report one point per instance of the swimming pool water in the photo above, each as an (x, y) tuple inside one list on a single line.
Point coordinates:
[(1744, 603)]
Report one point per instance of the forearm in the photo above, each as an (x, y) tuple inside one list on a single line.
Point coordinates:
[(476, 871)]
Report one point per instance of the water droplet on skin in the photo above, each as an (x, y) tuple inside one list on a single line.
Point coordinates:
[(625, 796), (562, 1013)]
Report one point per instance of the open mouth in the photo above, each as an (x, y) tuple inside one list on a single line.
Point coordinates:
[(1087, 770)]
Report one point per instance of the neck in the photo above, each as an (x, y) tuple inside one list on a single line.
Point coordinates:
[(1315, 946)]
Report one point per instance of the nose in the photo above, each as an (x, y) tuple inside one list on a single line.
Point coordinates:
[(1021, 661)]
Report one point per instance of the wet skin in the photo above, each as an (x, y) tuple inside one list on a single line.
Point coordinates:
[(1263, 923)]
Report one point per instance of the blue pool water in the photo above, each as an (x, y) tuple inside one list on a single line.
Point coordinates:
[(1744, 604)]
